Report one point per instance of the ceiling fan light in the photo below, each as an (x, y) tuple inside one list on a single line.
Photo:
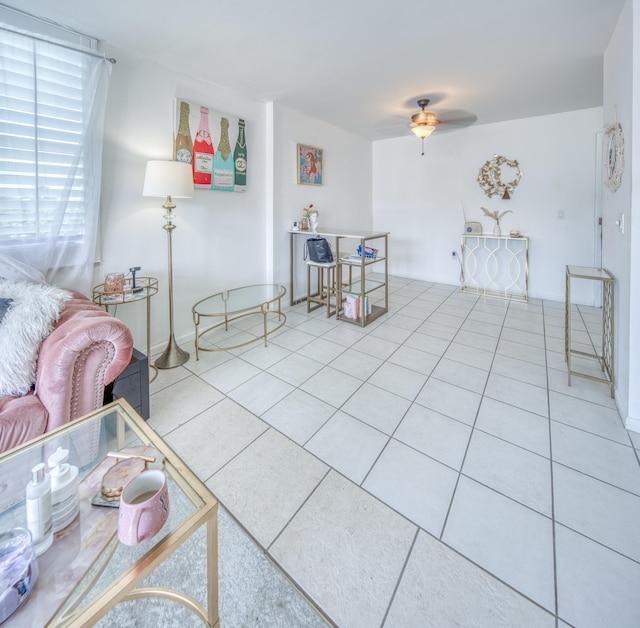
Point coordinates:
[(423, 130)]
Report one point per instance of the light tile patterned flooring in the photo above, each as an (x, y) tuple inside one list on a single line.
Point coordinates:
[(431, 469)]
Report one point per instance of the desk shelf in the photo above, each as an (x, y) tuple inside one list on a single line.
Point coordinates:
[(365, 285)]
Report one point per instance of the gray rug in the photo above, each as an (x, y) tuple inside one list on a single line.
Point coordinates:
[(252, 591)]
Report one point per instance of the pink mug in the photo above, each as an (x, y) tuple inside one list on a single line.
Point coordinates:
[(144, 507)]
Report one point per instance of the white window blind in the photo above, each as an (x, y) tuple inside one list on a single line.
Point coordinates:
[(52, 101), (42, 118)]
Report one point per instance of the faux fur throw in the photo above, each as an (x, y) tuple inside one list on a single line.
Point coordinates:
[(28, 320)]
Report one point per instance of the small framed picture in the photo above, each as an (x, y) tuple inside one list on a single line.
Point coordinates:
[(310, 165)]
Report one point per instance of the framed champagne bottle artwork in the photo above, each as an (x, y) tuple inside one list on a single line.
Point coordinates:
[(202, 137), (310, 165)]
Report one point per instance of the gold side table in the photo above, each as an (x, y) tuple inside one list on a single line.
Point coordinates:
[(144, 289), (605, 358), (86, 572)]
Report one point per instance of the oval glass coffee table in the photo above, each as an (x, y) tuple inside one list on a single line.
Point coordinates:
[(230, 305)]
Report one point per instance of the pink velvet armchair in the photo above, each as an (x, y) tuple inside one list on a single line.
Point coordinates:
[(87, 350)]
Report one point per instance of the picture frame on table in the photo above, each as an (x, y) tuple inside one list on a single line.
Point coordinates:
[(310, 160)]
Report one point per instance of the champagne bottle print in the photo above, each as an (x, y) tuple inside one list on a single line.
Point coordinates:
[(183, 147), (240, 158), (223, 168), (203, 151)]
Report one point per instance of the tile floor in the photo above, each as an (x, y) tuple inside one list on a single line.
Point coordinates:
[(431, 469)]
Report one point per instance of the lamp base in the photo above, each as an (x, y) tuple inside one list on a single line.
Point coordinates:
[(172, 356)]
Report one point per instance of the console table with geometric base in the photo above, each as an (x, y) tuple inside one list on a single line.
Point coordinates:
[(495, 266)]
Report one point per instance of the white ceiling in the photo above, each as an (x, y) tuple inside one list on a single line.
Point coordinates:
[(362, 65)]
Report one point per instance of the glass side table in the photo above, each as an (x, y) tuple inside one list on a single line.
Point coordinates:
[(144, 289), (605, 357)]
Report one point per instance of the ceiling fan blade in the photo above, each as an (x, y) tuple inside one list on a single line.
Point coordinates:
[(455, 119)]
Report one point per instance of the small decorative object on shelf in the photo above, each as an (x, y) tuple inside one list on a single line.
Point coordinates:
[(489, 177), (369, 252), (497, 216), (114, 282), (304, 223), (313, 218)]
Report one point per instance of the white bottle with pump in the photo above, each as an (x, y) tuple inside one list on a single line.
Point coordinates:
[(39, 520), (65, 499)]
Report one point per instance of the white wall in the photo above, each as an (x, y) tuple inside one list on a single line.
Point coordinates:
[(419, 198), (619, 86), (633, 407), (220, 238), (343, 201)]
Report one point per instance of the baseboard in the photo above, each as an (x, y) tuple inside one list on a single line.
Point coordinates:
[(632, 423)]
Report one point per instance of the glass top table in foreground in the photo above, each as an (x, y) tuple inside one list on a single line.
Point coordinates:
[(229, 305), (87, 571)]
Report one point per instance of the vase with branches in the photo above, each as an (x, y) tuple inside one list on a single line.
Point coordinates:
[(497, 216)]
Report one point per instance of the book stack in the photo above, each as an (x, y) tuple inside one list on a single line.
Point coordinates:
[(356, 305), (369, 252)]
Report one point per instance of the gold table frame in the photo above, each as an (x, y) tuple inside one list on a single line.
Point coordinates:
[(606, 358), (69, 611), (249, 307), (146, 287)]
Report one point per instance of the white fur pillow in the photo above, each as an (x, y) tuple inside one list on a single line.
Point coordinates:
[(28, 321)]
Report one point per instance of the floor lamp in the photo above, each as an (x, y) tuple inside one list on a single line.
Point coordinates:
[(169, 179)]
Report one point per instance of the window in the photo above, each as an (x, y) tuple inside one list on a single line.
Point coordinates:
[(41, 137), (52, 99)]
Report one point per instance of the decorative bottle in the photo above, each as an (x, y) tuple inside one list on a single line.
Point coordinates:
[(65, 497), (223, 167), (183, 149), (203, 151), (39, 521), (304, 223), (240, 158)]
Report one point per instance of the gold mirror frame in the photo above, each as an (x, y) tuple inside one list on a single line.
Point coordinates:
[(489, 177), (614, 156)]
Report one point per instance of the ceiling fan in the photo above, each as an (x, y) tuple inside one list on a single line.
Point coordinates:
[(424, 123)]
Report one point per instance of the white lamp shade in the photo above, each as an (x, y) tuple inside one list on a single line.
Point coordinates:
[(168, 178)]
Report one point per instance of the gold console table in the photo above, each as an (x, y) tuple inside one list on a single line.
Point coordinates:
[(606, 355)]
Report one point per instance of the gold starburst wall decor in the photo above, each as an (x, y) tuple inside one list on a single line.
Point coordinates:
[(490, 177)]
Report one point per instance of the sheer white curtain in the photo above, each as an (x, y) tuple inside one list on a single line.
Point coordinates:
[(52, 104)]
